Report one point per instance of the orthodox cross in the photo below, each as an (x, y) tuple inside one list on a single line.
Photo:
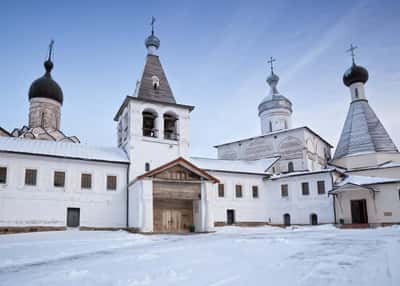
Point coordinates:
[(153, 20), (351, 51), (271, 62), (51, 49)]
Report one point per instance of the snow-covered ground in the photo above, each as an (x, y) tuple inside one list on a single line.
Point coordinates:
[(321, 255)]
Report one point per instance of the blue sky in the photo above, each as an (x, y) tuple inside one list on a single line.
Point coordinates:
[(214, 54)]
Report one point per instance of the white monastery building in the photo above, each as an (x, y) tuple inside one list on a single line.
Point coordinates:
[(150, 183)]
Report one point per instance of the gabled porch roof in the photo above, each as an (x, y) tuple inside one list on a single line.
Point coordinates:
[(179, 162)]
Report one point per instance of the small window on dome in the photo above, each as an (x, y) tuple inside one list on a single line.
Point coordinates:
[(356, 91)]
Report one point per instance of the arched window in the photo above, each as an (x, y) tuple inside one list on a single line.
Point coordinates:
[(170, 127), (147, 167), (286, 219), (270, 126), (290, 167), (313, 219), (149, 123)]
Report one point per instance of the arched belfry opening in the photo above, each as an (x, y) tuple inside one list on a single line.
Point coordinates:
[(150, 123), (171, 126)]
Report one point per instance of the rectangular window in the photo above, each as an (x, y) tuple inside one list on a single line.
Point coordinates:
[(321, 187), (221, 190), (30, 177), (305, 188), (255, 191), (238, 191), (3, 175), (111, 183), (86, 181), (284, 190), (59, 179)]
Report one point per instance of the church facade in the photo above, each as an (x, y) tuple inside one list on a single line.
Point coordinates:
[(150, 183)]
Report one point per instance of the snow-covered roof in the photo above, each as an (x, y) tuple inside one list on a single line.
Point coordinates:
[(366, 180), (301, 173), (238, 166), (62, 150)]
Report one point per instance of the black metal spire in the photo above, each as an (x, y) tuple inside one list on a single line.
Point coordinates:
[(48, 65), (153, 20), (271, 62), (351, 51)]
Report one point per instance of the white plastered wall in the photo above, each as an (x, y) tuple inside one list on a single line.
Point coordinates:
[(46, 205)]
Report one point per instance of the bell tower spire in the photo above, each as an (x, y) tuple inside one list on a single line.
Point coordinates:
[(152, 42)]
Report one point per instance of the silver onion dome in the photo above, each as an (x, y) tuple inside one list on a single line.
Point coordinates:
[(152, 40), (274, 100)]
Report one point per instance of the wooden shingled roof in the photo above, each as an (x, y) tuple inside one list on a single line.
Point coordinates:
[(163, 92)]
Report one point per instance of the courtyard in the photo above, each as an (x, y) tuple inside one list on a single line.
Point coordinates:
[(320, 255)]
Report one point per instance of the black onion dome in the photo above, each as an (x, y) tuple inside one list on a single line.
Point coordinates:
[(46, 87), (152, 41), (355, 74)]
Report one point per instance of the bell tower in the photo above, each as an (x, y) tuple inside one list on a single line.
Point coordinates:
[(152, 127)]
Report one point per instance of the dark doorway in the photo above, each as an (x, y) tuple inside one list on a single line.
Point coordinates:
[(73, 217), (314, 219), (286, 219), (359, 211), (230, 215)]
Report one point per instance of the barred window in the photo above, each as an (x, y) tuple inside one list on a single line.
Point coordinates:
[(221, 190), (3, 175), (321, 187), (111, 183), (255, 191), (30, 177), (59, 179), (238, 190), (284, 190), (305, 188), (86, 181)]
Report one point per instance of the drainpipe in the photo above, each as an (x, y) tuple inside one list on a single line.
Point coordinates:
[(334, 200), (127, 195)]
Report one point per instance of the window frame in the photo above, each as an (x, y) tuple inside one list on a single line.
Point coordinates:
[(91, 181), (238, 190), (54, 178), (221, 190), (319, 192), (303, 189), (254, 190), (116, 183), (6, 175), (286, 190), (36, 172)]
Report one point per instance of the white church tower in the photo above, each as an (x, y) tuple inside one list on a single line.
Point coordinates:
[(275, 110), (153, 128)]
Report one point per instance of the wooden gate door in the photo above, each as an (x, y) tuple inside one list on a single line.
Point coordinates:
[(73, 216), (172, 216)]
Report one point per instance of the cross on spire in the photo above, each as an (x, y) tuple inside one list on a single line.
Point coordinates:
[(271, 62), (351, 51), (51, 49), (153, 20)]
